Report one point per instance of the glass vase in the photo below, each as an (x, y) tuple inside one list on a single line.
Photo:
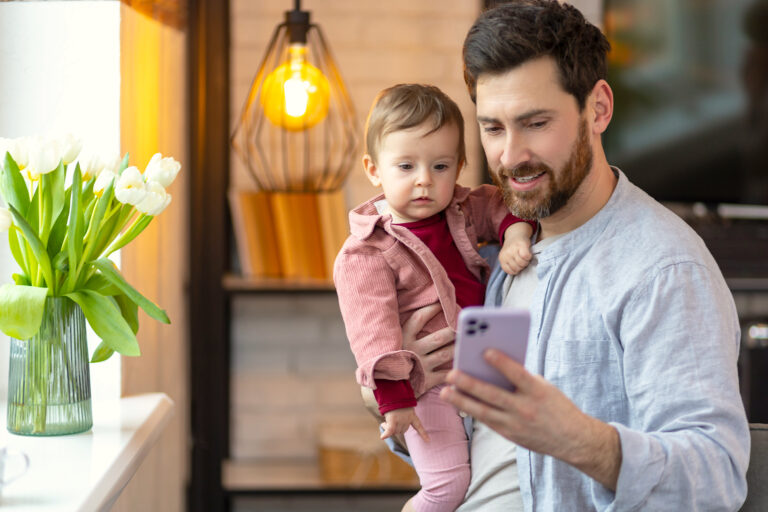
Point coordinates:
[(49, 383)]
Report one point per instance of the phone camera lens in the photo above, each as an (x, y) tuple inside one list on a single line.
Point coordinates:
[(471, 332), (483, 326)]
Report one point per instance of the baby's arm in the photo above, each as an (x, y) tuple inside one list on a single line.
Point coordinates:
[(397, 421), (515, 252)]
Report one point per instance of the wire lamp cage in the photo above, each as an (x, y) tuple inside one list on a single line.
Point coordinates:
[(298, 130)]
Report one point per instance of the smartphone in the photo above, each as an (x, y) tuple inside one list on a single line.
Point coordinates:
[(481, 328)]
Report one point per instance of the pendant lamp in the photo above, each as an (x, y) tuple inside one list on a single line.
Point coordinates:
[(297, 131)]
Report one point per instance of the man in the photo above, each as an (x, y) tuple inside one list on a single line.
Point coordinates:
[(629, 396)]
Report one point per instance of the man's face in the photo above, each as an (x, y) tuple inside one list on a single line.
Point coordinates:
[(537, 144)]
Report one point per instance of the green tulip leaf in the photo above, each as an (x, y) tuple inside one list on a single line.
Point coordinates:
[(123, 164), (59, 229), (75, 240), (102, 353), (129, 310), (21, 310), (108, 270), (107, 322), (33, 212), (95, 228), (16, 251), (12, 185), (38, 249), (98, 283), (60, 262), (56, 185), (20, 279), (132, 232)]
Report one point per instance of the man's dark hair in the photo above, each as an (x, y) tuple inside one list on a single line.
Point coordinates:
[(521, 30)]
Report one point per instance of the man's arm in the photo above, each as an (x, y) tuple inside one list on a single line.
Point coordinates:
[(685, 440), (539, 417)]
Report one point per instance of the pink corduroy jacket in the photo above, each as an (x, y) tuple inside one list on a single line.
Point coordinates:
[(384, 273)]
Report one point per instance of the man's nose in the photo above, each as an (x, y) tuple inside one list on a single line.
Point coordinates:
[(515, 151)]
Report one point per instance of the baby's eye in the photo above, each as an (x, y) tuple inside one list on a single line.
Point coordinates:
[(441, 167), (405, 167)]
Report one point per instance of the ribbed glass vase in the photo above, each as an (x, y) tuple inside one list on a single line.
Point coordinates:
[(49, 384)]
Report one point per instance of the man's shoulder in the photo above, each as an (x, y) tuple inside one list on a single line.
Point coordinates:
[(650, 231)]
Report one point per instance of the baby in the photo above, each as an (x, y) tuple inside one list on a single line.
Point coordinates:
[(412, 246)]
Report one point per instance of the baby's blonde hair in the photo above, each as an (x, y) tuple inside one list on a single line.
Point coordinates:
[(405, 106)]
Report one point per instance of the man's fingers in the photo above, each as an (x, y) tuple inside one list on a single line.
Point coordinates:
[(431, 343), (418, 320), (416, 424), (470, 405), (511, 369)]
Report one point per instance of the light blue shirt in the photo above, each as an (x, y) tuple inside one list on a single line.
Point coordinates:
[(633, 321)]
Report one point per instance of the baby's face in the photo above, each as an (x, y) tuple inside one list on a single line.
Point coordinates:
[(417, 170)]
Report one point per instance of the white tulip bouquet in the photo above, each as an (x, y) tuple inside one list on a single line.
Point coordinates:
[(67, 211)]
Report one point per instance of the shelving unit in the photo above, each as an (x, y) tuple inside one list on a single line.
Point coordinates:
[(233, 283), (215, 478)]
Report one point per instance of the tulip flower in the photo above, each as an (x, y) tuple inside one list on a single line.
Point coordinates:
[(70, 147), (103, 179), (18, 149), (64, 227), (5, 219), (44, 157), (92, 164), (130, 187), (156, 200), (161, 170)]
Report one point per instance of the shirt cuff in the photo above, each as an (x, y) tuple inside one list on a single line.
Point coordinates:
[(642, 466), (393, 394), (511, 219)]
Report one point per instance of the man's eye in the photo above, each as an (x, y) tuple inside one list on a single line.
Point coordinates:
[(537, 124), (492, 130)]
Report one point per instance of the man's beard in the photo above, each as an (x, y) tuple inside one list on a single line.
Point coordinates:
[(539, 203)]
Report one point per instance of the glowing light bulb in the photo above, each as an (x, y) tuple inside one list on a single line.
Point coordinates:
[(295, 95)]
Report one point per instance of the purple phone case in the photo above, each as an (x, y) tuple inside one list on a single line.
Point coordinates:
[(480, 328)]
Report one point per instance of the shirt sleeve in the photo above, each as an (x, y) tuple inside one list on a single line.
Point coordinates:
[(689, 437), (365, 285), (489, 215), (393, 394)]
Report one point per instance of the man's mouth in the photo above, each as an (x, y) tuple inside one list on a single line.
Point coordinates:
[(526, 179)]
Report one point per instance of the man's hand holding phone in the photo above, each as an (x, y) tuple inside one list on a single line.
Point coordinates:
[(399, 420)]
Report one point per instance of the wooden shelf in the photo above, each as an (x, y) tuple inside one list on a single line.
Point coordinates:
[(238, 283), (292, 475)]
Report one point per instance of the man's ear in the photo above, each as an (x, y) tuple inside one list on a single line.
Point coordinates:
[(371, 171), (600, 102)]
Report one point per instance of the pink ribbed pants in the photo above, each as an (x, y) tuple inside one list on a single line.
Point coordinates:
[(443, 462)]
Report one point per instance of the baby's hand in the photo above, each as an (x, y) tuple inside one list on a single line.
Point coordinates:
[(515, 254), (398, 421)]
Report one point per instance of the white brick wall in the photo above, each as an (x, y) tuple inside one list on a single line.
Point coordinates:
[(292, 372)]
